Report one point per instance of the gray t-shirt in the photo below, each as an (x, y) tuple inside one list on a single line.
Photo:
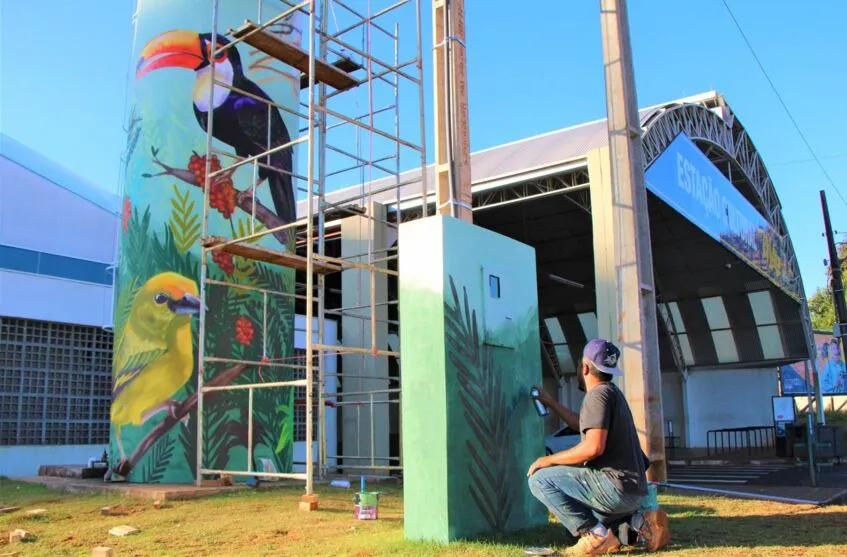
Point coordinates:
[(605, 407)]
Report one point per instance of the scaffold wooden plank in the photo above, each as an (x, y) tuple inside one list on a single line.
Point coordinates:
[(344, 64), (294, 56), (274, 257)]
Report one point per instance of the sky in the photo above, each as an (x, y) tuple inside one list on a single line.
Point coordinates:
[(63, 70)]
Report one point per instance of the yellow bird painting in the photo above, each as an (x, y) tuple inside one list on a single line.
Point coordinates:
[(154, 355)]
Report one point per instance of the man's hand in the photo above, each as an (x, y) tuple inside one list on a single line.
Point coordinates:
[(544, 398), (539, 463), (566, 414)]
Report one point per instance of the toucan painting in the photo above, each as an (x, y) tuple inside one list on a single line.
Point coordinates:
[(240, 121)]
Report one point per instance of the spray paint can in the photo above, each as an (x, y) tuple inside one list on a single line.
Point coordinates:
[(539, 406)]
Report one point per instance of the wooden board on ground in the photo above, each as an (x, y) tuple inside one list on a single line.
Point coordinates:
[(123, 530)]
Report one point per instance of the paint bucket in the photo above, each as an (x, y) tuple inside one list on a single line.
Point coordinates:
[(366, 505), (651, 500)]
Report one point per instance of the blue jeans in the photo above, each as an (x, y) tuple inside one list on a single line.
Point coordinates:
[(581, 497)]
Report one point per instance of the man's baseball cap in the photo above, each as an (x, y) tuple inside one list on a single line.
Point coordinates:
[(603, 355)]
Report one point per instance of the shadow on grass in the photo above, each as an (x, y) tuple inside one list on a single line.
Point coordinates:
[(551, 535), (803, 530), (701, 527)]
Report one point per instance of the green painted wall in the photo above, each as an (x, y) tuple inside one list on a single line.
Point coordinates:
[(470, 431)]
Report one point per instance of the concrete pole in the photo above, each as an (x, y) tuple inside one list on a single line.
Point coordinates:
[(637, 332), (450, 103), (364, 324)]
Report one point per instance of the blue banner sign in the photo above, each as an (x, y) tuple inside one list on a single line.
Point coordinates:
[(684, 178)]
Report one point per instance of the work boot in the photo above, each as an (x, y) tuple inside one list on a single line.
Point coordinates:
[(592, 544), (653, 530)]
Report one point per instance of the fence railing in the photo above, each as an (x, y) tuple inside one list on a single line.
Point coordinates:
[(751, 438)]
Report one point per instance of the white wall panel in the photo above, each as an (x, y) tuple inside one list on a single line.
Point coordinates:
[(39, 215), (53, 299), (728, 398)]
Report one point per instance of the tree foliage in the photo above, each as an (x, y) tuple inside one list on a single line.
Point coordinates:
[(842, 255), (821, 306), (821, 310)]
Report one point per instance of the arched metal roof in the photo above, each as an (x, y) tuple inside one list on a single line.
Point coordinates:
[(556, 162), (713, 126)]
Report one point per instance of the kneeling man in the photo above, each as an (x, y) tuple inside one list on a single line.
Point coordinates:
[(600, 483)]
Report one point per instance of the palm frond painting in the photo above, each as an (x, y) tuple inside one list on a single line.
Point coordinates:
[(487, 410)]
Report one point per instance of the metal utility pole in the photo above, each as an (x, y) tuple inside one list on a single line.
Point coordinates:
[(837, 290), (636, 330), (452, 132)]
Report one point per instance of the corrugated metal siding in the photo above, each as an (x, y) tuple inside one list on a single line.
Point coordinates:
[(68, 225), (509, 159)]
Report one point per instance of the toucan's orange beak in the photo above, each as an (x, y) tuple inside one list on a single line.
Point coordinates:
[(172, 49)]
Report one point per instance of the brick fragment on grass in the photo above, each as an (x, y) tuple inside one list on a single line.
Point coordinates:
[(123, 530), (18, 535)]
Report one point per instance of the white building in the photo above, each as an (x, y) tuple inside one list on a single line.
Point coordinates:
[(58, 242)]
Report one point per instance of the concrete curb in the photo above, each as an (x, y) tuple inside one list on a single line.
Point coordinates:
[(143, 491), (720, 462)]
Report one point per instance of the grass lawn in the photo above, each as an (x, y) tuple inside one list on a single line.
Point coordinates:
[(267, 522)]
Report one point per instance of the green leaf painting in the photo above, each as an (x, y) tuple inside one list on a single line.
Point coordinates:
[(185, 221), (156, 466), (487, 411), (234, 330)]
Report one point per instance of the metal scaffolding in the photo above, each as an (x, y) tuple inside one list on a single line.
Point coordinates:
[(354, 57)]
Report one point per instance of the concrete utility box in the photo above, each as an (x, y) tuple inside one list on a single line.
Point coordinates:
[(469, 332)]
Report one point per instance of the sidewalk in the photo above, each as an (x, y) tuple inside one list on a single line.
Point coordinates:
[(779, 479), (700, 457)]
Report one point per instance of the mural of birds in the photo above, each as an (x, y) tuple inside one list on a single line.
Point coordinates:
[(240, 121), (154, 355)]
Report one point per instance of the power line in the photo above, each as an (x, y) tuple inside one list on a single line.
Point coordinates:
[(802, 161), (782, 102)]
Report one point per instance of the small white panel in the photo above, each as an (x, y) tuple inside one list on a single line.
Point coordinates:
[(499, 295)]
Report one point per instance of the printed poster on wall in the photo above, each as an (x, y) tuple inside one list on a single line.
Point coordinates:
[(831, 368)]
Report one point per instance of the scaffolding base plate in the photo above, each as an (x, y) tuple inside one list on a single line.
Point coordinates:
[(309, 503), (261, 253), (294, 56)]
